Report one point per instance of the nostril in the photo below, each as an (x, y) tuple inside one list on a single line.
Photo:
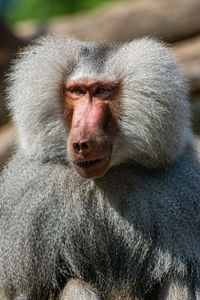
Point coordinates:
[(84, 146), (76, 147), (79, 147)]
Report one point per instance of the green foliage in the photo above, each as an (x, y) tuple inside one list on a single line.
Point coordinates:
[(43, 9)]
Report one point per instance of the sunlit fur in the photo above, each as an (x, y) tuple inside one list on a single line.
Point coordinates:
[(135, 232)]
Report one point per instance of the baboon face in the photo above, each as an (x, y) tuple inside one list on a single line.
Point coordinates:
[(90, 113)]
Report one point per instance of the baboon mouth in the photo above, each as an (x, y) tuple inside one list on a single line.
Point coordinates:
[(87, 163)]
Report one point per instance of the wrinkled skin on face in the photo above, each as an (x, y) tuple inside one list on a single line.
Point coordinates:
[(90, 113)]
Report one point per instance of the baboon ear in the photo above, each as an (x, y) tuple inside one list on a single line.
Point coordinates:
[(78, 290)]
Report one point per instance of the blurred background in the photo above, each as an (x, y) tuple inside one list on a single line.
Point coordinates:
[(177, 22)]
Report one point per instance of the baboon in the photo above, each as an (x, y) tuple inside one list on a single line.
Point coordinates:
[(102, 198)]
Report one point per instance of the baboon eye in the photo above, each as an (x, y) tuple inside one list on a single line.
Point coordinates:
[(100, 91), (77, 90)]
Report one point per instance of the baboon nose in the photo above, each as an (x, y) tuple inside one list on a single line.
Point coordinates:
[(83, 147)]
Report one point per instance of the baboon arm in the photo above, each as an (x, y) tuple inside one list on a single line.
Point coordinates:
[(77, 289), (23, 297), (176, 290)]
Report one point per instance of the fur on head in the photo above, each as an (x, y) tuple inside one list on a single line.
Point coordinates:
[(154, 114)]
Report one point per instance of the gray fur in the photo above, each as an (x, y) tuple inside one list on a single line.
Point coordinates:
[(134, 232)]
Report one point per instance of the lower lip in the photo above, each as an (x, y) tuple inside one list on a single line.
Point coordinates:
[(89, 163)]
